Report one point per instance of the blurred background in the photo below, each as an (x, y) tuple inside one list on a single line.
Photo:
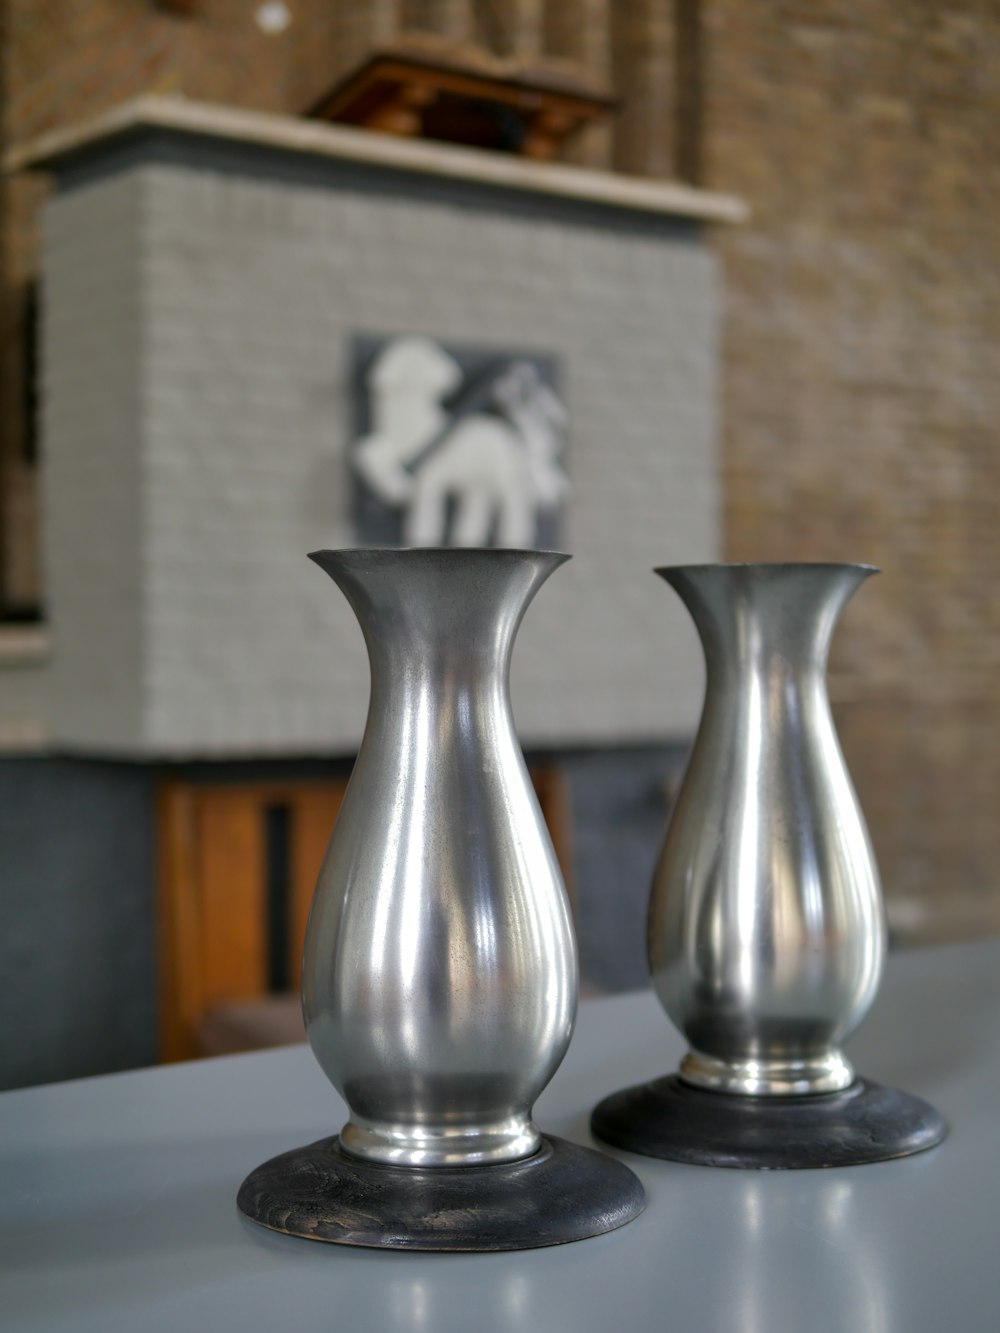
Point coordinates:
[(725, 272)]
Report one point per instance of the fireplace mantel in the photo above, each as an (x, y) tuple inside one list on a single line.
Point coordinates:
[(64, 150)]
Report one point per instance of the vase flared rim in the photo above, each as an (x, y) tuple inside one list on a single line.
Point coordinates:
[(766, 565), (437, 550)]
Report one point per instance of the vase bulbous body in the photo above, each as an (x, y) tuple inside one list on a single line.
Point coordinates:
[(766, 931), (440, 974)]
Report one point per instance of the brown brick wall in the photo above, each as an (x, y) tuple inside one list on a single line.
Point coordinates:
[(72, 58), (862, 387)]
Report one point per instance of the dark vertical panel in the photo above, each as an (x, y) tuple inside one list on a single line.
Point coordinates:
[(77, 947), (620, 800), (7, 313), (29, 377), (277, 825)]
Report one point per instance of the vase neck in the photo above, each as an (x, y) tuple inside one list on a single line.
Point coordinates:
[(752, 616), (438, 614)]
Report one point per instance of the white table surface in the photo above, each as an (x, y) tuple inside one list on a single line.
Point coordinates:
[(118, 1212)]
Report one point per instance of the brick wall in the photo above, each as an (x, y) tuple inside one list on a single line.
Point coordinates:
[(862, 394), (92, 395)]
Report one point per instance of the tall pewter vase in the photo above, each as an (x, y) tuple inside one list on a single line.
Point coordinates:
[(440, 972), (766, 929), (766, 932)]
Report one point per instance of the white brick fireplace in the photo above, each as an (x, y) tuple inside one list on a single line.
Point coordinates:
[(205, 274)]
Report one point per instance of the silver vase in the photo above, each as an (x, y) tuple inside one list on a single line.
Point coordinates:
[(766, 931), (440, 973)]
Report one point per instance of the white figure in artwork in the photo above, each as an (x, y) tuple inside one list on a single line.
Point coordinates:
[(529, 403), (498, 471)]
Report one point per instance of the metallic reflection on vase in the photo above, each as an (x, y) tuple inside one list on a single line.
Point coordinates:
[(766, 931), (440, 974)]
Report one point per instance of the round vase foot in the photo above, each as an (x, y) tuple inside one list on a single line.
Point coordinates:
[(865, 1123), (562, 1193)]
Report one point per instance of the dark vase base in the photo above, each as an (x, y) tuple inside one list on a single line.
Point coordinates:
[(562, 1193), (672, 1119)]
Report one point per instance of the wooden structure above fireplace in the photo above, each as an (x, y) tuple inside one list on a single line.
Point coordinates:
[(462, 94)]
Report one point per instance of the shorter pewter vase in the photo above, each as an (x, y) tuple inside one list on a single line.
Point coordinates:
[(440, 975), (766, 931)]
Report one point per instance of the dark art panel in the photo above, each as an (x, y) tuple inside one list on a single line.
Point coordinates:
[(455, 445)]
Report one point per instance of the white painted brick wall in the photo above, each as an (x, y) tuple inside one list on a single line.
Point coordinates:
[(92, 508), (197, 347)]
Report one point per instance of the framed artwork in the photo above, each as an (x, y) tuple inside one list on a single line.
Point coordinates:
[(456, 445)]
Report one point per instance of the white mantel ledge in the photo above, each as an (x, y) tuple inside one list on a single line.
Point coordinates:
[(421, 156)]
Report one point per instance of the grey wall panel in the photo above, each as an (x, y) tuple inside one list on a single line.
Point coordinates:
[(620, 801), (77, 958)]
